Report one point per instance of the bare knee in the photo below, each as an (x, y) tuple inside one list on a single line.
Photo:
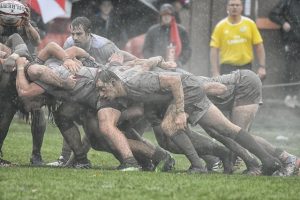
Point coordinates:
[(165, 128), (106, 129)]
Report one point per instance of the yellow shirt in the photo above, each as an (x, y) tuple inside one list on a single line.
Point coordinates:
[(235, 41)]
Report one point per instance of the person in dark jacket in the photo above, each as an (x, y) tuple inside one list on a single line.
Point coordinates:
[(287, 14), (160, 37), (106, 23)]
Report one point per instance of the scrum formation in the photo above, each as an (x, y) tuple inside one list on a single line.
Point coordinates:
[(116, 96)]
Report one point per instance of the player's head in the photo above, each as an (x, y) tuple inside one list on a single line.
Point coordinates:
[(81, 31), (109, 85)]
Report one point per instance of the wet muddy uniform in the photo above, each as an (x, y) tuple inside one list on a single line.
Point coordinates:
[(243, 88), (145, 87), (84, 91), (99, 48), (10, 103), (86, 94)]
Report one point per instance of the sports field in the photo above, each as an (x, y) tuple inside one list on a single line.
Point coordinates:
[(24, 182)]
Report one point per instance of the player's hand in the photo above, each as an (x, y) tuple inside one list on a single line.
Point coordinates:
[(286, 27), (261, 72), (26, 17), (9, 64), (180, 120), (3, 54), (21, 62), (72, 65), (70, 82)]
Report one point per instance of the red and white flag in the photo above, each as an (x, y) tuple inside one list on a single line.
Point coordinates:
[(175, 37), (51, 9)]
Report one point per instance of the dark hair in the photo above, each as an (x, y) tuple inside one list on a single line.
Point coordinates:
[(84, 22), (106, 76)]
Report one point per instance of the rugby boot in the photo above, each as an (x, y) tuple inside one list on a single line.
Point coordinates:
[(36, 160), (147, 166), (270, 166), (289, 167), (60, 162), (166, 164), (5, 163), (227, 164), (129, 164), (253, 171), (196, 170), (82, 164)]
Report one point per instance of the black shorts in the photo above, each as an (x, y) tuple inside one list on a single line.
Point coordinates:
[(118, 104)]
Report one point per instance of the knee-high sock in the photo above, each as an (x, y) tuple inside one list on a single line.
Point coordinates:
[(38, 128), (185, 144), (66, 150), (248, 141), (249, 160)]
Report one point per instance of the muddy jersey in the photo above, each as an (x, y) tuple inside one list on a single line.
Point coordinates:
[(99, 47), (145, 87), (85, 89), (243, 88)]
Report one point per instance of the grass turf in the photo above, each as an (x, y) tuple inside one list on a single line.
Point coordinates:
[(25, 182)]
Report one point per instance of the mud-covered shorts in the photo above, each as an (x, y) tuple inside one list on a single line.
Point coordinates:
[(195, 99), (248, 90), (244, 88)]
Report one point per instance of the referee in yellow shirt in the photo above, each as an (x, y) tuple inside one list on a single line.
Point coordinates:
[(232, 43)]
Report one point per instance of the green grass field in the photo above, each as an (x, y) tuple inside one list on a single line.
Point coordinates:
[(25, 182)]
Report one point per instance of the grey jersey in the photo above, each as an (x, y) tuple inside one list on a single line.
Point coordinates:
[(243, 88), (145, 87), (84, 91), (99, 47), (230, 81)]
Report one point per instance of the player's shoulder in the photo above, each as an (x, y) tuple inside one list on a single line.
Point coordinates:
[(99, 41)]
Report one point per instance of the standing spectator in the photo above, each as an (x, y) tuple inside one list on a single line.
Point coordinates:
[(160, 37), (107, 24), (232, 43), (287, 14)]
